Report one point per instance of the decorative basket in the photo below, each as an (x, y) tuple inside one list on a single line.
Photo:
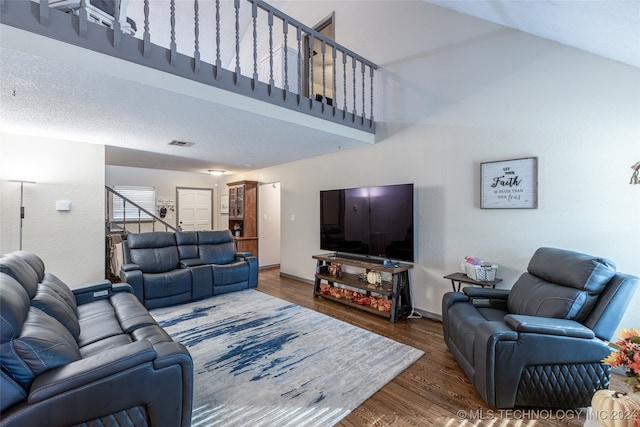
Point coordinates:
[(481, 273)]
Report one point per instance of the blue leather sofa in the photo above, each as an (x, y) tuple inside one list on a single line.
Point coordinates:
[(166, 268), (540, 343), (87, 356)]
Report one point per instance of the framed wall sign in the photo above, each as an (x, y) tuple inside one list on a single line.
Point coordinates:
[(509, 184), (224, 204)]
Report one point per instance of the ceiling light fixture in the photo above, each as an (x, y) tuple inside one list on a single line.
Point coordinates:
[(216, 172)]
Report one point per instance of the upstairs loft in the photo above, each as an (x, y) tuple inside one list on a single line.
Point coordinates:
[(246, 47)]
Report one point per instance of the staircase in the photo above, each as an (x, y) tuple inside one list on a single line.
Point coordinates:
[(135, 219)]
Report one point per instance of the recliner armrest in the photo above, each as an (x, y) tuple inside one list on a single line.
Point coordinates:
[(92, 369), (93, 292), (474, 292), (193, 262), (489, 298), (243, 255), (548, 326), (129, 267)]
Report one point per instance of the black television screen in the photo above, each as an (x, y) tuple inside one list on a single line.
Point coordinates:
[(368, 221)]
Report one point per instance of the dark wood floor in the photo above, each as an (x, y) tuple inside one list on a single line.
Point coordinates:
[(434, 391)]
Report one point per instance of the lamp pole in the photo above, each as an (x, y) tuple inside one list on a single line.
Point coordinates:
[(22, 182)]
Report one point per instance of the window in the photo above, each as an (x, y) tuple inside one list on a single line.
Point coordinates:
[(142, 196)]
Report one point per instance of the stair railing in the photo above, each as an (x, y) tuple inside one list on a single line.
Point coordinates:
[(121, 225)]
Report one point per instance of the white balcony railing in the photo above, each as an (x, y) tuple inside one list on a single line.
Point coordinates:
[(244, 46)]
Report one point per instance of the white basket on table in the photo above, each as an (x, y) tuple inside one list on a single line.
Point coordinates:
[(481, 273)]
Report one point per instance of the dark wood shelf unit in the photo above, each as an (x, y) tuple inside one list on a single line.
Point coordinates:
[(243, 212), (396, 290)]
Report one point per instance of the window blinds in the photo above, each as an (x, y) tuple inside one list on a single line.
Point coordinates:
[(143, 196)]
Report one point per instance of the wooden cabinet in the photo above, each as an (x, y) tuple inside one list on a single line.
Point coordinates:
[(391, 299), (243, 215)]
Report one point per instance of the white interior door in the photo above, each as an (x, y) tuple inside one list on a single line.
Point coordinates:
[(269, 224), (194, 209)]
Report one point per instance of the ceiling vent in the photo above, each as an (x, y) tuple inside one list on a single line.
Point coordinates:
[(181, 143)]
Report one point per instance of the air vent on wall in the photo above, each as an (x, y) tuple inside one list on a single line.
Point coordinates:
[(181, 143)]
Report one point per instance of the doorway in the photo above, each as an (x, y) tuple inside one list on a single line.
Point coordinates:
[(313, 62), (194, 208), (269, 225)]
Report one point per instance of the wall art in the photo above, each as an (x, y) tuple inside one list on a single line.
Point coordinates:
[(509, 184)]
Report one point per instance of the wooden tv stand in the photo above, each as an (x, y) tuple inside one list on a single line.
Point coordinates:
[(396, 291)]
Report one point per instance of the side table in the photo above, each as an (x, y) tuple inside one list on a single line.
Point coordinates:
[(463, 278)]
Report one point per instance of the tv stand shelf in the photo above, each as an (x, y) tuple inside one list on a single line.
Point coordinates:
[(394, 293)]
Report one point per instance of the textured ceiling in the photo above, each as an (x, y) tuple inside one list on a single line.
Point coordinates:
[(136, 121)]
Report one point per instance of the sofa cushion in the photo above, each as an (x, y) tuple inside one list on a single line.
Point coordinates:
[(561, 284), (154, 252), (573, 269), (230, 273), (98, 321), (34, 261), (187, 244), (59, 287), (216, 247), (43, 344), (534, 296), (20, 270), (14, 308), (52, 304), (167, 284)]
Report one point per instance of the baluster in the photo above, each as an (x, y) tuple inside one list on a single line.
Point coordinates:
[(371, 96), (196, 30), (117, 31), (353, 68), (364, 109), (299, 36), (173, 54), (285, 32), (254, 13), (333, 84), (270, 23), (311, 88), (218, 61), (146, 39), (323, 48), (44, 12), (344, 82), (82, 19), (236, 5)]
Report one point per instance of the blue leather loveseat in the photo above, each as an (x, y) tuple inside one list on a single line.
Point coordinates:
[(166, 268), (541, 343)]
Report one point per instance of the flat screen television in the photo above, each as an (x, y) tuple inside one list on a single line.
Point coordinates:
[(368, 222)]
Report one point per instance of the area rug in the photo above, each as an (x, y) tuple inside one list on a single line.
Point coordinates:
[(262, 361)]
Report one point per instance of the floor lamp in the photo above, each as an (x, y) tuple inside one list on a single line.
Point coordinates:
[(22, 183)]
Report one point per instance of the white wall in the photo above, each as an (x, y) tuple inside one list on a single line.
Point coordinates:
[(471, 93), (165, 183), (70, 243)]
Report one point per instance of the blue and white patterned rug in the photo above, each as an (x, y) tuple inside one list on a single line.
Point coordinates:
[(262, 361)]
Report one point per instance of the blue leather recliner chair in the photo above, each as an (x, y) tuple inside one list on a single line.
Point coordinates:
[(540, 343)]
